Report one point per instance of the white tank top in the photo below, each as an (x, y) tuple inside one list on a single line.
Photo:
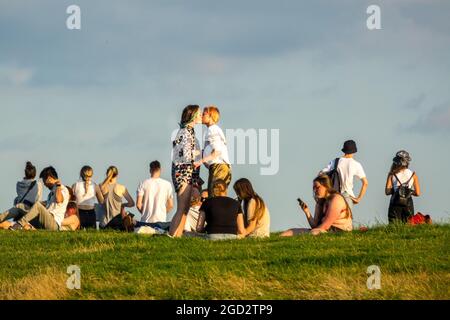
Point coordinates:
[(84, 198), (403, 176)]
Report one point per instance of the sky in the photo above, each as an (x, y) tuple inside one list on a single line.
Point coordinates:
[(112, 92)]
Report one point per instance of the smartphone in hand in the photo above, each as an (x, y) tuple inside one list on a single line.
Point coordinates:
[(302, 204)]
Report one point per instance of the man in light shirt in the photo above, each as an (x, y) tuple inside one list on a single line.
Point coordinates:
[(349, 168), (215, 152), (154, 198)]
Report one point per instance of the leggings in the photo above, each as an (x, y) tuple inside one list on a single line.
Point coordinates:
[(87, 218)]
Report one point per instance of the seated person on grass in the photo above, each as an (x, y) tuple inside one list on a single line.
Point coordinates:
[(196, 202), (331, 212), (29, 191), (154, 199), (50, 214), (222, 215), (256, 213), (71, 220), (112, 212)]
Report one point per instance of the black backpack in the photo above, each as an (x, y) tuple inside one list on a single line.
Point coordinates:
[(335, 176), (403, 192)]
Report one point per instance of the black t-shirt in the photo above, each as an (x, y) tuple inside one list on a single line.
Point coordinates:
[(221, 215)]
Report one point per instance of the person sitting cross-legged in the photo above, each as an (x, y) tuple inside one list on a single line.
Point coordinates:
[(222, 215)]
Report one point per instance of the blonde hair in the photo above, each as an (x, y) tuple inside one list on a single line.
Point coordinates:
[(219, 187), (112, 172), (86, 172), (214, 113)]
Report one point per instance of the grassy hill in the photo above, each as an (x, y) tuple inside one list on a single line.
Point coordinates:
[(414, 263)]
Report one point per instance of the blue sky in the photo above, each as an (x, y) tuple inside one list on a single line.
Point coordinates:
[(112, 92)]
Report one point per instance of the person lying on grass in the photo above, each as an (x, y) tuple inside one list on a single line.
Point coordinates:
[(330, 214)]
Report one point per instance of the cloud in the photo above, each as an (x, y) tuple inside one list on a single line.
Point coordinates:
[(436, 120), (416, 102), (14, 75)]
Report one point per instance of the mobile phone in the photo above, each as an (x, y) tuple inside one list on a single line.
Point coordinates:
[(302, 204)]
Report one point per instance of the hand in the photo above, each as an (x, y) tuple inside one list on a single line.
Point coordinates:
[(356, 200), (198, 164), (317, 231), (304, 207)]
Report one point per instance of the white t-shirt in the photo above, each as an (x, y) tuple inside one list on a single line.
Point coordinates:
[(403, 176), (348, 169), (215, 140), (155, 193), (84, 198), (58, 210), (191, 219)]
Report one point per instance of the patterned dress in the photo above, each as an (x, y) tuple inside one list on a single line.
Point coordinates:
[(186, 150)]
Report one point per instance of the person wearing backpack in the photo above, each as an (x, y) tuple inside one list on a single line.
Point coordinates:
[(401, 184), (29, 191), (342, 172)]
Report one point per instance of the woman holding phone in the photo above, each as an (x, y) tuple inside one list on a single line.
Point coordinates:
[(331, 212)]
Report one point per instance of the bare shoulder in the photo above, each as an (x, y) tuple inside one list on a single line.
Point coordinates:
[(119, 189), (337, 199)]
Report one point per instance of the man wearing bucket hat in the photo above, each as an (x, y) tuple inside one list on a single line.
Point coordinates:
[(348, 168)]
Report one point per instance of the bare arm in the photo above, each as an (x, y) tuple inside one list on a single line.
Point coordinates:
[(313, 221), (240, 225), (388, 189), (201, 222), (130, 201), (337, 204), (214, 155), (365, 184), (139, 203), (416, 186), (58, 194), (169, 205), (99, 195), (251, 217)]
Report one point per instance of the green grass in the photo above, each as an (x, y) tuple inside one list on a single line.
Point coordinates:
[(414, 263)]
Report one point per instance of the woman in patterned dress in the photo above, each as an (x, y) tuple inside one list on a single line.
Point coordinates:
[(185, 170)]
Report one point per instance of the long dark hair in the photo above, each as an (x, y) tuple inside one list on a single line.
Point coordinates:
[(30, 171), (188, 114), (244, 190), (398, 165)]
